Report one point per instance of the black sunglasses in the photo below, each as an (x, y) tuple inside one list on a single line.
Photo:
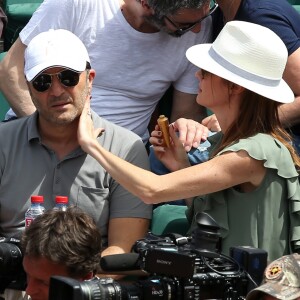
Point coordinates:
[(67, 78), (182, 31)]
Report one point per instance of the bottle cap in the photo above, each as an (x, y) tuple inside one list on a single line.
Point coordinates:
[(61, 199), (37, 199)]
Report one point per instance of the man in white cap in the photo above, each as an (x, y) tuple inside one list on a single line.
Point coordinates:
[(40, 154)]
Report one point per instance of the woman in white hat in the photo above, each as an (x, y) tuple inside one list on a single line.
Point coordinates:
[(250, 185)]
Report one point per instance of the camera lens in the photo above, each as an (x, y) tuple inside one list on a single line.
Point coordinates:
[(104, 288), (62, 288)]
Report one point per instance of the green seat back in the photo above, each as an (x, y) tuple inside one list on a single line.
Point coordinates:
[(21, 12), (294, 2), (18, 13), (169, 218), (4, 106), (297, 7)]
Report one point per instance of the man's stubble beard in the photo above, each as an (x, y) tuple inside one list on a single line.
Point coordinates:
[(72, 115)]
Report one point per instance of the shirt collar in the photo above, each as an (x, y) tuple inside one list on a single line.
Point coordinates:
[(33, 132)]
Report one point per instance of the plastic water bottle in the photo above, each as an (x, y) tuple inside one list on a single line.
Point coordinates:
[(35, 209), (61, 203)]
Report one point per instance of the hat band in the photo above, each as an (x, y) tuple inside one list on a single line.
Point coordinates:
[(240, 72)]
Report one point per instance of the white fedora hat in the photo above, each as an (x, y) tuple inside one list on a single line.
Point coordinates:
[(249, 55)]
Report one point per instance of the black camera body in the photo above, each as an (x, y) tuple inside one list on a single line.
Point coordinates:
[(181, 268), (196, 273), (176, 272), (164, 255), (12, 274)]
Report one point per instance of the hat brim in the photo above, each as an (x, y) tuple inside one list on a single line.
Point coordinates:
[(71, 65), (199, 55), (275, 290)]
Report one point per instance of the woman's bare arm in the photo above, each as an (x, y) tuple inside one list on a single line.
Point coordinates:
[(222, 172)]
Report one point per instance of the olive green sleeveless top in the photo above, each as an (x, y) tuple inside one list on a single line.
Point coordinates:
[(268, 217)]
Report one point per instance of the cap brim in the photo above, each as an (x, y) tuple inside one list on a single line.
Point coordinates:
[(77, 66), (275, 290), (199, 56)]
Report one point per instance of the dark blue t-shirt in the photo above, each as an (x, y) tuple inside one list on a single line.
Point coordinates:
[(278, 15)]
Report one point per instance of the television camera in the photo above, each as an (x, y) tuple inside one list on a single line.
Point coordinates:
[(179, 268)]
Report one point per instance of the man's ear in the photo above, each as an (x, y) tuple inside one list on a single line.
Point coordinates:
[(146, 7), (90, 78), (92, 74)]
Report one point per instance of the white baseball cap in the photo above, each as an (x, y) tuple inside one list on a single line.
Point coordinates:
[(54, 48), (249, 55)]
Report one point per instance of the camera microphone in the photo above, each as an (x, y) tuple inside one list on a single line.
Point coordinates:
[(120, 262)]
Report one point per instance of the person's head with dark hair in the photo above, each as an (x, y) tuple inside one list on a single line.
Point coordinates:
[(177, 17), (66, 243)]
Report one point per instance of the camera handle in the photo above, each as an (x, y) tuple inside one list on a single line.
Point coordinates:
[(178, 239)]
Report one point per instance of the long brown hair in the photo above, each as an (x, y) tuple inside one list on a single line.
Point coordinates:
[(258, 115)]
